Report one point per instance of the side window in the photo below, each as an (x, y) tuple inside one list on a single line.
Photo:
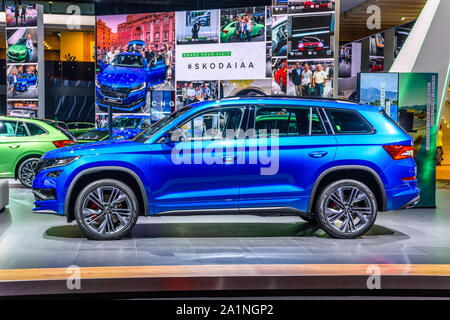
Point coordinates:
[(21, 131), (8, 128), (213, 125), (35, 130), (288, 121), (317, 126), (347, 121)]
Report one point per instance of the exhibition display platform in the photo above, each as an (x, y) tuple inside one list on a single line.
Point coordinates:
[(408, 248)]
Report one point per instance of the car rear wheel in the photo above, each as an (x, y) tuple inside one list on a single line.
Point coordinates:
[(346, 209), (25, 173), (106, 210)]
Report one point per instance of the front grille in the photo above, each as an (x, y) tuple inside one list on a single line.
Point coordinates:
[(114, 92), (14, 54)]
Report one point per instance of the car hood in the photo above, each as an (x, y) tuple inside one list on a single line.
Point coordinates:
[(17, 48), (122, 76), (104, 147)]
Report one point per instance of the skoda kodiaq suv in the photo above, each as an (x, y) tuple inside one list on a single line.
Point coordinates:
[(336, 162)]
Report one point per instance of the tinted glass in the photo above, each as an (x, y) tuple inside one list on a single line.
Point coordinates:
[(215, 124), (287, 121), (35, 130), (8, 128), (93, 135), (346, 121), (133, 61), (126, 123), (21, 131)]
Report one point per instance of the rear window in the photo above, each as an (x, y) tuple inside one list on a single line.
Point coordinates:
[(35, 130), (347, 121)]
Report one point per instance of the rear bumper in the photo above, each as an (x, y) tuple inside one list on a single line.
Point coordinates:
[(403, 197), (412, 203)]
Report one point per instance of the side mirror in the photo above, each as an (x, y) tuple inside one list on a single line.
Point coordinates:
[(172, 136)]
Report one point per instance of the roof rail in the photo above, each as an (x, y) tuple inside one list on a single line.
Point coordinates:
[(289, 97)]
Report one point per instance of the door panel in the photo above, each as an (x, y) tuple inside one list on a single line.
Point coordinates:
[(201, 171), (300, 151), (184, 186), (298, 168)]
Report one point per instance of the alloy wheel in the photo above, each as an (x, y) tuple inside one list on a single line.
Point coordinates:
[(348, 209), (107, 210), (26, 174)]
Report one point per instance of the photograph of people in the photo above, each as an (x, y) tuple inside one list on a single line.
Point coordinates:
[(22, 81), (310, 78), (243, 24), (22, 45), (20, 14), (199, 26), (194, 91), (319, 81)]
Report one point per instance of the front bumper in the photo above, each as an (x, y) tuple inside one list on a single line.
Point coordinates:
[(16, 58)]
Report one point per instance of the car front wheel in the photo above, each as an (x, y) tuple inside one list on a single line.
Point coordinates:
[(25, 172), (106, 210), (346, 209)]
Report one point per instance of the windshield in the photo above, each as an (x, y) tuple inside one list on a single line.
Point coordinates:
[(145, 135), (93, 135), (125, 123), (133, 61)]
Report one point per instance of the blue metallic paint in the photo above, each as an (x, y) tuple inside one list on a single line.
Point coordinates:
[(170, 187)]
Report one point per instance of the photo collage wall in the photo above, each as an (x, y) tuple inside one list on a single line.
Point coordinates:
[(155, 63), (21, 59)]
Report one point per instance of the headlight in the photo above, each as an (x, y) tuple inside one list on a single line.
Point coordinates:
[(139, 87), (97, 84), (57, 162)]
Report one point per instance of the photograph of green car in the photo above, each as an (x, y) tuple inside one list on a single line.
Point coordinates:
[(18, 52), (243, 24), (22, 45), (23, 142)]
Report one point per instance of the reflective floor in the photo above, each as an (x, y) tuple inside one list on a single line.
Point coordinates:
[(27, 240)]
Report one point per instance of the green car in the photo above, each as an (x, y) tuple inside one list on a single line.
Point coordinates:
[(228, 33), (93, 136), (23, 142), (77, 128), (18, 52)]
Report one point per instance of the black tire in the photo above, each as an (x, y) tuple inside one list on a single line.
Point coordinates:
[(25, 172), (115, 234), (346, 211)]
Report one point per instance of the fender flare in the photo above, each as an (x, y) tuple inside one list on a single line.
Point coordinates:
[(103, 168), (348, 167)]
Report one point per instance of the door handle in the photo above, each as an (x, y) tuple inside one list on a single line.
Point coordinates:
[(13, 146), (318, 154), (230, 158)]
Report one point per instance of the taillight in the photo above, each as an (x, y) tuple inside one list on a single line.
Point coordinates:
[(62, 143), (399, 152)]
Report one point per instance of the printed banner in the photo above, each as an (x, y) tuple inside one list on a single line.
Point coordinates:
[(221, 61)]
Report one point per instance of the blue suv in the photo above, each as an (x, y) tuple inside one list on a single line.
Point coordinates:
[(337, 163)]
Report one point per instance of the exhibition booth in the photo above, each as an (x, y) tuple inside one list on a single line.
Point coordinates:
[(93, 200)]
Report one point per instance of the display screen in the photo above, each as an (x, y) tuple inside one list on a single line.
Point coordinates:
[(154, 63)]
